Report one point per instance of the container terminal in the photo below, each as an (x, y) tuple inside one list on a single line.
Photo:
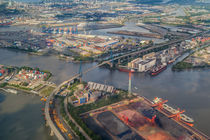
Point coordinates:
[(141, 118)]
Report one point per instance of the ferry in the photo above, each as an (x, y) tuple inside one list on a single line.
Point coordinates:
[(173, 111)]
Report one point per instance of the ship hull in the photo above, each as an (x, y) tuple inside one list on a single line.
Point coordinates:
[(154, 73), (184, 118), (5, 24), (126, 70)]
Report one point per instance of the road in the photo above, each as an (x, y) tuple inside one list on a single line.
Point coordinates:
[(58, 108), (80, 129), (49, 120)]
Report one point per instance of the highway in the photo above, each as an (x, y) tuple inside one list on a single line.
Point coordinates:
[(56, 91)]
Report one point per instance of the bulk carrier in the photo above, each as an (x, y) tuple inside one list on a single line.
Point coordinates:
[(5, 23), (173, 111), (158, 70)]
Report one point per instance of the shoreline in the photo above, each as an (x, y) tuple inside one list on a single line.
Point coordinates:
[(189, 66), (192, 68), (65, 58), (137, 34), (19, 91), (8, 85)]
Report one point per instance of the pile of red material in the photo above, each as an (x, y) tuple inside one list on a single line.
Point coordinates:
[(160, 136)]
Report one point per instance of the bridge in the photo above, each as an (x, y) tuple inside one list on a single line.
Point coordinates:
[(49, 121), (140, 51)]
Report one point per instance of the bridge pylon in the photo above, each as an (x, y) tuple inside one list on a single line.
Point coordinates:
[(111, 58), (80, 71)]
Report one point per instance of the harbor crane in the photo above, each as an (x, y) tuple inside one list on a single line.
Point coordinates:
[(177, 115), (152, 120), (159, 105)]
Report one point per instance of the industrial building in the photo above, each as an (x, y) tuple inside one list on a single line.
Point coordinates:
[(106, 45), (100, 87), (142, 65), (149, 55), (91, 93)]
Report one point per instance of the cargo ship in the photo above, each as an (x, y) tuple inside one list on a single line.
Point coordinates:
[(173, 111), (126, 69), (5, 23), (158, 70)]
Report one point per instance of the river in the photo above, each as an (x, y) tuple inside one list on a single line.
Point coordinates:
[(21, 118), (187, 90)]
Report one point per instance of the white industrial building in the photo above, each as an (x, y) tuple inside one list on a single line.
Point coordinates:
[(142, 65), (100, 87)]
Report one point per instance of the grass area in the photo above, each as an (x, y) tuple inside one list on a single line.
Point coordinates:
[(73, 98), (76, 117), (73, 86), (70, 123), (3, 85), (182, 65), (38, 87), (20, 87), (46, 91), (103, 102)]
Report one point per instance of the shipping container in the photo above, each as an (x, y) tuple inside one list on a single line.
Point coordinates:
[(82, 100), (2, 71)]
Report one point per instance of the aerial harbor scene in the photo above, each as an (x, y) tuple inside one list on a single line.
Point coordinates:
[(105, 70)]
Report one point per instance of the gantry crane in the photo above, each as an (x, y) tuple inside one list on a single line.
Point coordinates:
[(159, 105)]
